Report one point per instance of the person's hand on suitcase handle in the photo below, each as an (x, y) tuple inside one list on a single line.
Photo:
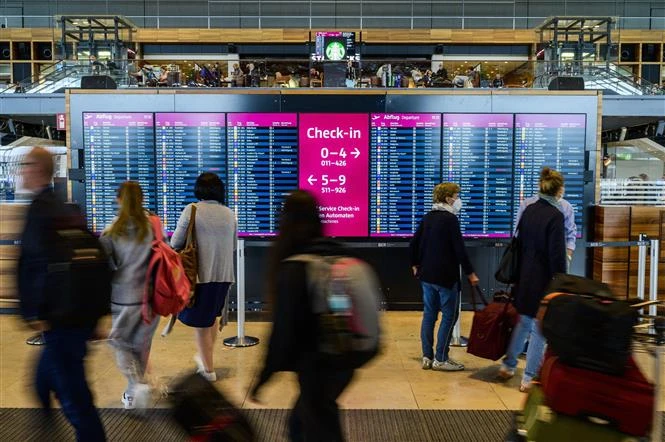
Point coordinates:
[(473, 278)]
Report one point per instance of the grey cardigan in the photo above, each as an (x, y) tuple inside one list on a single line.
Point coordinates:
[(216, 233)]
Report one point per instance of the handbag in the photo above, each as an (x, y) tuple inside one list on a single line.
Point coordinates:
[(509, 266), (188, 254), (492, 327)]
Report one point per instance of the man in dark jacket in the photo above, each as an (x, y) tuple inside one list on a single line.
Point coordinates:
[(437, 251), (60, 368)]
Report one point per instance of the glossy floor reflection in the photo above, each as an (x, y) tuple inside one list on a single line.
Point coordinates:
[(394, 380)]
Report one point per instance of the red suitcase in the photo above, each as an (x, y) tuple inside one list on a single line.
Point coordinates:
[(625, 401)]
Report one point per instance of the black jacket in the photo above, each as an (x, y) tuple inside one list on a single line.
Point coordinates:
[(46, 214), (437, 249), (293, 342), (542, 236)]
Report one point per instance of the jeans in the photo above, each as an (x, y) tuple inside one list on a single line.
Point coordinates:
[(60, 369), (315, 415), (527, 327), (437, 298)]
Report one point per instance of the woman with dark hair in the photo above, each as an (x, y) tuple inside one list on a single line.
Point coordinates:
[(128, 243), (216, 232), (543, 244), (294, 339)]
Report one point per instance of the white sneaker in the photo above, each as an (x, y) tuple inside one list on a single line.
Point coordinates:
[(427, 363), (448, 365), (210, 376), (127, 401), (142, 396)]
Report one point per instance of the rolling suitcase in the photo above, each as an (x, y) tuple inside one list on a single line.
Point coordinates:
[(205, 414), (539, 423), (625, 401)]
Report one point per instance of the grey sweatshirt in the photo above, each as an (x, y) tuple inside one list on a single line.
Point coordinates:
[(216, 233)]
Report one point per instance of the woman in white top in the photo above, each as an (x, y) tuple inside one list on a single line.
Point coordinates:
[(216, 231)]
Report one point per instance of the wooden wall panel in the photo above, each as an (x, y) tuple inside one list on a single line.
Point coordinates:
[(645, 220), (12, 218), (610, 265)]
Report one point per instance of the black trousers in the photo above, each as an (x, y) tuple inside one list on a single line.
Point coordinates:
[(315, 416)]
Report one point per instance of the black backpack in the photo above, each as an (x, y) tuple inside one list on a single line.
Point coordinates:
[(78, 281)]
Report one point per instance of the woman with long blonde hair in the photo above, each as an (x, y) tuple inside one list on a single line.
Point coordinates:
[(128, 240)]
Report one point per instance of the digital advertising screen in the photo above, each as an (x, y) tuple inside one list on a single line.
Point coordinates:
[(405, 165), (188, 144), (262, 168), (334, 164), (117, 147), (478, 155), (335, 45), (556, 141)]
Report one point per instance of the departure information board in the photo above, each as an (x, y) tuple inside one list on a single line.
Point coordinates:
[(478, 155), (405, 165), (334, 160), (188, 144), (117, 147), (556, 141), (262, 169)]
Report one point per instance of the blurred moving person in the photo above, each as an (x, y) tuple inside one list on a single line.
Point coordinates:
[(437, 251), (543, 242), (50, 302), (216, 234), (294, 341), (127, 241)]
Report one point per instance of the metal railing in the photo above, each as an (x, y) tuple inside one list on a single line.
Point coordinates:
[(313, 21)]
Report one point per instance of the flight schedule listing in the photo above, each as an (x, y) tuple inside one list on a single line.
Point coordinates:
[(262, 168), (334, 161), (556, 141), (478, 155), (188, 144), (405, 166), (117, 147)]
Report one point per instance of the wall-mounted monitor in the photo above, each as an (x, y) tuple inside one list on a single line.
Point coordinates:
[(188, 144), (118, 146), (405, 165), (262, 168), (478, 155), (556, 141), (335, 45)]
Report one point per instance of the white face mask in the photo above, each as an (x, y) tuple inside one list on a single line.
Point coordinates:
[(457, 206)]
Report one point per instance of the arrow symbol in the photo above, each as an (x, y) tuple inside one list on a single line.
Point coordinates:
[(356, 152), (311, 180)]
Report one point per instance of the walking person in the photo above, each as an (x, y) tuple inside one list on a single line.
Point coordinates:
[(294, 340), (543, 254), (127, 241), (60, 368), (216, 232), (437, 251)]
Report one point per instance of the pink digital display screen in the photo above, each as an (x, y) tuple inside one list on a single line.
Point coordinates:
[(334, 163)]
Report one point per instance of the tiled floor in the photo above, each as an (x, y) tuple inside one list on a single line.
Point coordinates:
[(394, 380)]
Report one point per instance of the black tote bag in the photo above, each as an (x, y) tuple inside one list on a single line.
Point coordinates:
[(509, 266)]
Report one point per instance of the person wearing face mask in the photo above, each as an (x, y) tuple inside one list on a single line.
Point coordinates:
[(543, 254), (437, 251), (568, 218)]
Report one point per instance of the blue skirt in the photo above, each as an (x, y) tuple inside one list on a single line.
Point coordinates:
[(208, 304)]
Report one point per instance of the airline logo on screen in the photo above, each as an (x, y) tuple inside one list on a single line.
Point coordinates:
[(334, 160)]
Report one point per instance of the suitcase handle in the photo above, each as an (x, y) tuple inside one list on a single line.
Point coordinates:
[(474, 289)]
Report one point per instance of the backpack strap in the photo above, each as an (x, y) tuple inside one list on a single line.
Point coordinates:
[(156, 227)]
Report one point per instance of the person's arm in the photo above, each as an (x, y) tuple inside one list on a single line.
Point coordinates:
[(556, 244), (290, 299), (414, 248), (523, 205), (570, 227), (460, 252), (180, 235), (32, 264)]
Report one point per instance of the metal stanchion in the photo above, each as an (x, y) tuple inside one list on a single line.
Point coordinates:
[(653, 275), (641, 266), (458, 340), (241, 340)]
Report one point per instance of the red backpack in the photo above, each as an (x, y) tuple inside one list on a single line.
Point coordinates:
[(167, 289)]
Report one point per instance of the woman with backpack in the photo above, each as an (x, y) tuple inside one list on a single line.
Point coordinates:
[(294, 340), (128, 243), (216, 232)]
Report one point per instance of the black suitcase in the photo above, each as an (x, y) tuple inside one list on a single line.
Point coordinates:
[(205, 414)]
